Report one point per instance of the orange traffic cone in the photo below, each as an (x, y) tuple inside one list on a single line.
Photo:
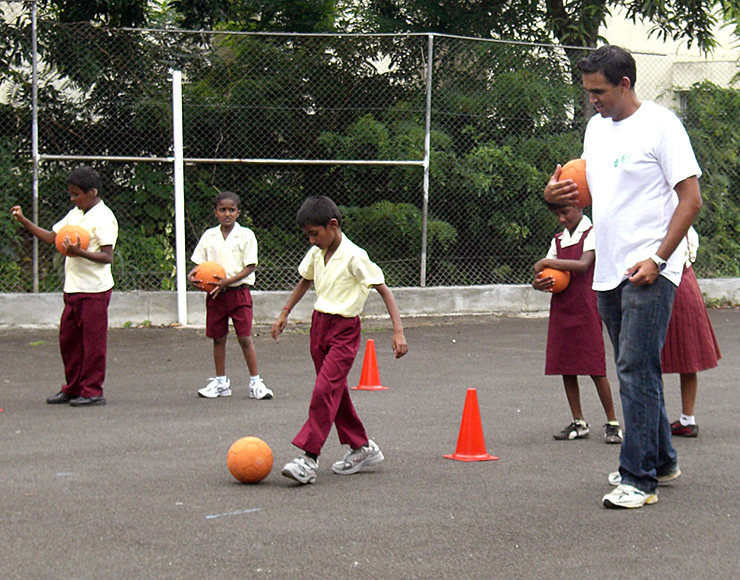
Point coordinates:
[(370, 378), (470, 443)]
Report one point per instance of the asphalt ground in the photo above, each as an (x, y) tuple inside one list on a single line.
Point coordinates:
[(140, 488)]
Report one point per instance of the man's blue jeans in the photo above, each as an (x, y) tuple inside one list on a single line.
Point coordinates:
[(636, 318)]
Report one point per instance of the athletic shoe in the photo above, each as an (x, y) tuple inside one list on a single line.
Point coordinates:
[(576, 430), (302, 469), (684, 430), (218, 387), (626, 496), (356, 459), (615, 478), (612, 434), (258, 390)]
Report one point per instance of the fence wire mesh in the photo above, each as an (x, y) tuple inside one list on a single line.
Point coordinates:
[(263, 116)]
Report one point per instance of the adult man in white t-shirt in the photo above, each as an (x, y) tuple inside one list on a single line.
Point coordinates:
[(643, 178)]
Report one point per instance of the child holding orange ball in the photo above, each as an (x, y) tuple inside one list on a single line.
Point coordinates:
[(575, 342), (234, 247), (88, 284)]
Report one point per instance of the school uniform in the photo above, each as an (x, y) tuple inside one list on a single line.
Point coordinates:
[(342, 286), (690, 345), (234, 253), (575, 341), (83, 329)]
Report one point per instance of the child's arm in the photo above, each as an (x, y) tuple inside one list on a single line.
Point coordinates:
[(42, 234), (546, 283), (298, 292), (400, 347), (224, 283), (103, 256), (580, 266)]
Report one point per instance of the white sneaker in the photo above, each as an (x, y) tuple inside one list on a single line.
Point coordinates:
[(302, 469), (615, 478), (218, 387), (356, 459), (258, 390), (627, 496)]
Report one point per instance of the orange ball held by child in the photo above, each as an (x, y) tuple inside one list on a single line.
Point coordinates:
[(74, 233), (562, 279), (575, 169), (206, 272)]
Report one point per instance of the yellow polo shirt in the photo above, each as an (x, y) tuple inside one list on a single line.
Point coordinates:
[(234, 253), (342, 285), (80, 274)]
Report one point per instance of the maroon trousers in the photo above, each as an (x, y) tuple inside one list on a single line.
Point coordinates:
[(335, 341), (83, 334)]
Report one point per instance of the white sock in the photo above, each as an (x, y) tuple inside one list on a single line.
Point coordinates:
[(254, 378), (687, 420)]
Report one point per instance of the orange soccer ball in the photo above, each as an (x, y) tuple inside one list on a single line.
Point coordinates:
[(576, 170), (206, 272), (562, 279), (250, 460), (74, 233)]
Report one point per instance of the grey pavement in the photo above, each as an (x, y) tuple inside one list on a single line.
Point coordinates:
[(140, 489)]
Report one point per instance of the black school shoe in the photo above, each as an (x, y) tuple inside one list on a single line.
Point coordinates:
[(59, 399), (87, 401)]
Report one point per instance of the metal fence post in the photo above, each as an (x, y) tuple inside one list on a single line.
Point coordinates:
[(427, 148), (179, 181), (35, 142)]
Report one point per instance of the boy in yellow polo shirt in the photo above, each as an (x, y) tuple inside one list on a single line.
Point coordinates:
[(88, 285), (235, 248), (342, 275)]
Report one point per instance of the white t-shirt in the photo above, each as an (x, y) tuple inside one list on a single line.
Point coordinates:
[(81, 274), (234, 253), (572, 240), (632, 167), (342, 285)]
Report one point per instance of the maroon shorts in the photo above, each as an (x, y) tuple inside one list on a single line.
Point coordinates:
[(236, 303)]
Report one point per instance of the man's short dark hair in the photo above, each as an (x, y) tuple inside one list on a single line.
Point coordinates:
[(318, 210), (613, 62), (84, 177)]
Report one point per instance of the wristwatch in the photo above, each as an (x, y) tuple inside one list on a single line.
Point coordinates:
[(660, 262)]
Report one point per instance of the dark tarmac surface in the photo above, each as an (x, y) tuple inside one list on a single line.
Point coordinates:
[(139, 489)]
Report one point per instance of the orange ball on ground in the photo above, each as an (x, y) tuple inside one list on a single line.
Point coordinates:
[(249, 459)]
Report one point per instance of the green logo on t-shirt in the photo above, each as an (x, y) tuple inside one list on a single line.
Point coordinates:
[(624, 159)]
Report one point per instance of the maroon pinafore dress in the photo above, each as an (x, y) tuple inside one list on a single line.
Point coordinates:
[(575, 339)]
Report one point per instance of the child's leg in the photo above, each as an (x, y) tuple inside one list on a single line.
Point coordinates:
[(70, 346), (250, 355), (605, 395), (94, 322), (573, 394), (219, 355), (689, 388), (334, 345)]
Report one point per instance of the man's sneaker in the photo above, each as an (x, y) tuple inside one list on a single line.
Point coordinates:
[(258, 390), (576, 430), (612, 433), (615, 478), (302, 469), (684, 430), (218, 387), (626, 496), (356, 459)]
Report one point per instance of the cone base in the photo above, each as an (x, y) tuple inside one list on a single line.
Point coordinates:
[(368, 388), (457, 457)]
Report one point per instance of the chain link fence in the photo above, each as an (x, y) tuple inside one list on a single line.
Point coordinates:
[(275, 118)]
